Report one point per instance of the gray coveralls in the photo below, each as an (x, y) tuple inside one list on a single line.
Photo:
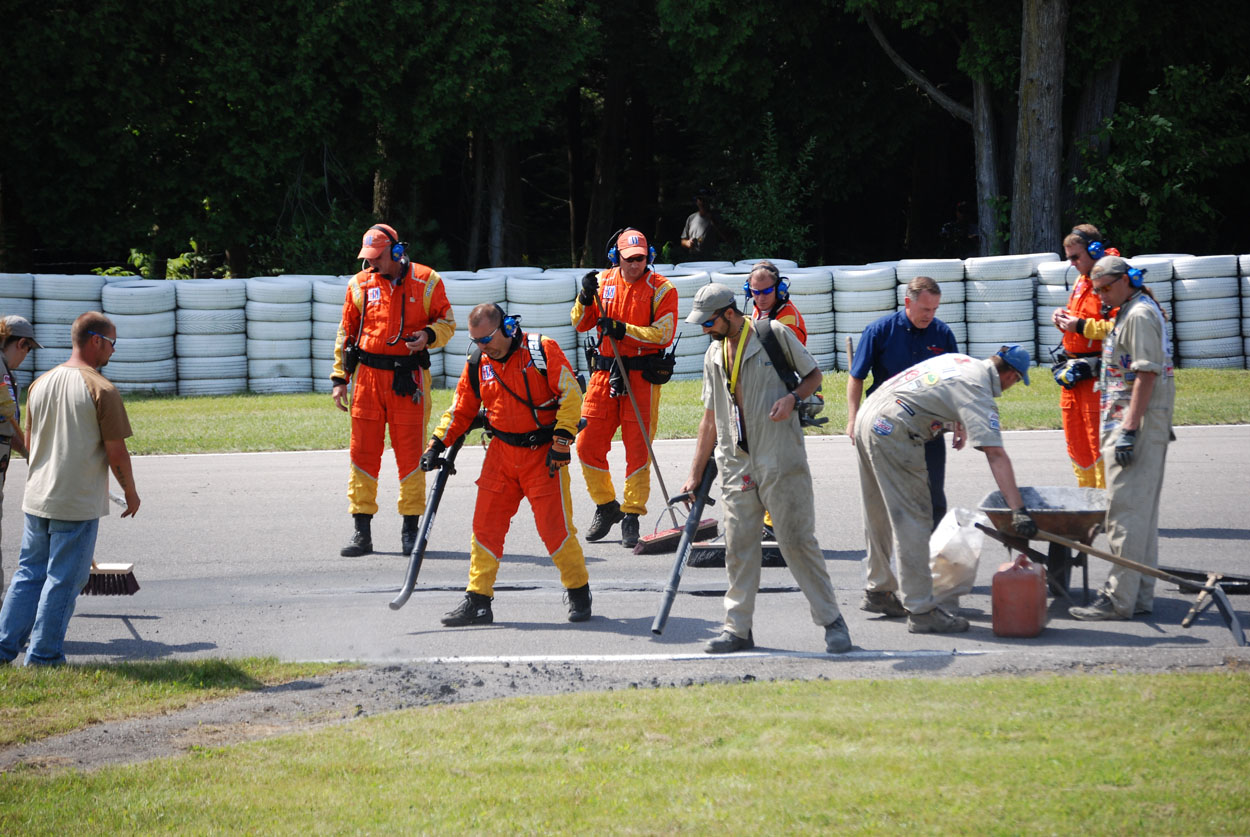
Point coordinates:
[(910, 409), (773, 474), (1137, 343)]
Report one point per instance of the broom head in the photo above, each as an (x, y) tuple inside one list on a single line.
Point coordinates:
[(666, 540), (111, 580)]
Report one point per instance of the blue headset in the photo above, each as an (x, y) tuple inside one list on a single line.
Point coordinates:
[(508, 323), (1094, 247), (398, 249), (1136, 276), (614, 258), (780, 283)]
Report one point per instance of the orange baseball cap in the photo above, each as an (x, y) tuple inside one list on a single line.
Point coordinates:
[(631, 243), (376, 243)]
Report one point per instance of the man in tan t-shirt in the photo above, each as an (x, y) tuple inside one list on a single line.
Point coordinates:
[(76, 429)]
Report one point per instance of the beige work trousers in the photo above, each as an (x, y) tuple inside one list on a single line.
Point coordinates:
[(789, 497), (898, 514), (1133, 516)]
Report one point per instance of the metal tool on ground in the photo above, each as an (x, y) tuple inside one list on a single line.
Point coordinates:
[(709, 554), (1208, 593), (112, 579), (646, 436), (447, 467), (697, 502)]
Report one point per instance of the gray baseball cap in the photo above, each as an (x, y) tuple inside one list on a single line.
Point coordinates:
[(708, 301), (20, 327)]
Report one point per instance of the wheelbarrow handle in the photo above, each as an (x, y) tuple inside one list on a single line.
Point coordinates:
[(1128, 563)]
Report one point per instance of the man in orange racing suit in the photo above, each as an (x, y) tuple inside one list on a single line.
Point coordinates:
[(393, 313), (1084, 326), (532, 401), (640, 313)]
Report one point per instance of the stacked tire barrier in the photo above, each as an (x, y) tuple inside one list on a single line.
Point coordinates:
[(861, 294), (142, 310), (949, 275), (999, 307), (279, 334), (58, 302), (210, 342), (811, 291), (1207, 323), (692, 342), (466, 289), (17, 297), (328, 296), (1244, 264)]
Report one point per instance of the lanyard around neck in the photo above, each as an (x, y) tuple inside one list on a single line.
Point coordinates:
[(743, 336)]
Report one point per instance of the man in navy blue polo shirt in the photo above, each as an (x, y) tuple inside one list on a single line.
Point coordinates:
[(888, 346)]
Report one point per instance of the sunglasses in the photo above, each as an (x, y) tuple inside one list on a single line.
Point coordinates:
[(761, 292), (1102, 289), (715, 317), (112, 341), (635, 258), (485, 341)]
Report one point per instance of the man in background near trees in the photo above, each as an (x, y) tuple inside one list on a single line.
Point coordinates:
[(76, 432), (394, 312), (1084, 326), (893, 344), (749, 421), (1138, 392), (699, 235), (639, 312)]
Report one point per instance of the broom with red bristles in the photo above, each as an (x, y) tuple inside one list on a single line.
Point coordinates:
[(112, 579)]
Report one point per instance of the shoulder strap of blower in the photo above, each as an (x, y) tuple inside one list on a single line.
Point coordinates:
[(785, 369), (533, 342)]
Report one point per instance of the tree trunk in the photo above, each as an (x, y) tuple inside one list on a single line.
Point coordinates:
[(498, 201), (599, 220), (476, 149), (1039, 134), (381, 184), (1098, 99), (573, 125), (985, 140)]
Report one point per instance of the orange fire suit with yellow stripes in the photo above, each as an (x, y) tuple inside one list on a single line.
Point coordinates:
[(511, 471), (1080, 405), (379, 316), (648, 307)]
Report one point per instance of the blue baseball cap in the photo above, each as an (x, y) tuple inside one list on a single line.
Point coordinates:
[(1018, 359)]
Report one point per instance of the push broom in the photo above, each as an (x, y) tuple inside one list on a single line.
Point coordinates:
[(112, 579)]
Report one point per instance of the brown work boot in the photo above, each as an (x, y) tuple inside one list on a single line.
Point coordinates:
[(883, 602), (936, 621)]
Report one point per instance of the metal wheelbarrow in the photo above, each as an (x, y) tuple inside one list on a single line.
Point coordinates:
[(1045, 504)]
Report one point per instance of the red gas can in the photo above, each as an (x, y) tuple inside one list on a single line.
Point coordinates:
[(1018, 598)]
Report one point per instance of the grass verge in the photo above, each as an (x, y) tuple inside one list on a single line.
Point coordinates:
[(216, 424), (1042, 754), (40, 702)]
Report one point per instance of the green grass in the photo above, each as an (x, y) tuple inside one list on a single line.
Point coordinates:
[(37, 702), (1133, 754), (213, 424)]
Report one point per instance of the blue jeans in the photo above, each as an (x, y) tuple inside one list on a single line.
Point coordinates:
[(53, 569)]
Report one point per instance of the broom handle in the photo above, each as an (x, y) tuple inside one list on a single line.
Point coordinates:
[(1128, 563), (646, 433)]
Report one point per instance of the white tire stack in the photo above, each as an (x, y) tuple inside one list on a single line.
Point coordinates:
[(543, 302), (17, 297), (862, 294), (949, 274), (58, 302), (708, 267), (142, 310), (781, 264), (279, 334), (999, 306), (466, 290), (691, 342), (328, 295), (210, 342), (811, 291), (1206, 304), (1244, 265)]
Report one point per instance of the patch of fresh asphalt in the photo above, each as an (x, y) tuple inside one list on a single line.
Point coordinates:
[(237, 556)]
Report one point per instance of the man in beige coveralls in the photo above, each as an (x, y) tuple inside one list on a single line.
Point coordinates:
[(1138, 390), (949, 392), (750, 422)]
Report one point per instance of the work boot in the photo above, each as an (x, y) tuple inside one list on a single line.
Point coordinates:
[(629, 531), (878, 601), (1101, 609), (728, 643), (362, 539), (579, 599), (606, 516), (936, 621), (408, 535), (837, 637), (474, 610)]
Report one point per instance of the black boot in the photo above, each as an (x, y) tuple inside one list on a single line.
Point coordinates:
[(629, 531), (607, 515), (474, 610), (362, 539), (579, 599), (408, 536)]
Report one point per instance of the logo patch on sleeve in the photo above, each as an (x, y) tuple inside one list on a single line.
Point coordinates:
[(882, 427)]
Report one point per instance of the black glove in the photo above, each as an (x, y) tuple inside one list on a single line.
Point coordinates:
[(1124, 448), (559, 454), (590, 287), (1023, 524), (430, 459), (613, 328)]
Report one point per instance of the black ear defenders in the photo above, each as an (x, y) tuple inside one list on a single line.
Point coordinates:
[(614, 258), (1093, 246), (509, 324), (398, 249)]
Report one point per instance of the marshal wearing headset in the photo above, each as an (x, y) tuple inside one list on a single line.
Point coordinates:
[(394, 312)]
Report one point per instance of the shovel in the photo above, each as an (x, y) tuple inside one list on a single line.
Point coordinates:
[(1208, 593)]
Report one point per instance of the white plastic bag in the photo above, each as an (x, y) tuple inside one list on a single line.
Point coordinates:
[(955, 553)]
